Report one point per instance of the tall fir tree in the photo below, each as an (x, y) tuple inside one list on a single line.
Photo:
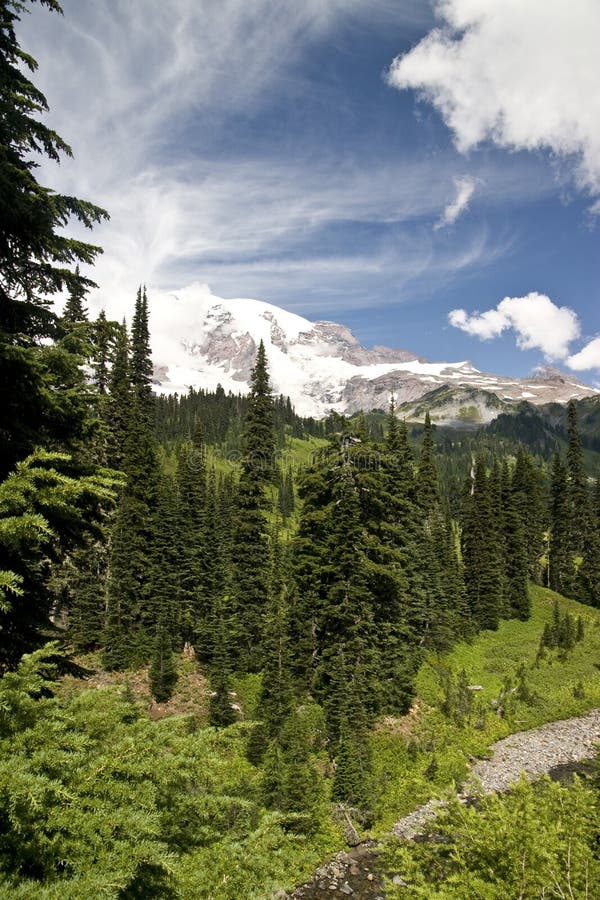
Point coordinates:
[(221, 711), (353, 779), (141, 357), (427, 479), (75, 310), (251, 541), (482, 560), (577, 493), (276, 695), (119, 401), (529, 502), (194, 539), (36, 259), (560, 564), (587, 587), (163, 671), (166, 561), (399, 453), (516, 586), (131, 605), (352, 591)]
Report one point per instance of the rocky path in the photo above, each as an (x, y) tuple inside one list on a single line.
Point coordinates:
[(354, 874)]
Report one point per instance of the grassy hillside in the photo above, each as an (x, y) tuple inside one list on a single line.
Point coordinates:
[(554, 681)]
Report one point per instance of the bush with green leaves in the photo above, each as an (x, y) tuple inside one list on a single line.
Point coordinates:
[(98, 800), (49, 505), (535, 841)]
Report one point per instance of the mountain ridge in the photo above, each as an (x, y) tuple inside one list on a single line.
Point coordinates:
[(321, 365)]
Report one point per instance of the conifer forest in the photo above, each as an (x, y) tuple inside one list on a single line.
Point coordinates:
[(229, 634)]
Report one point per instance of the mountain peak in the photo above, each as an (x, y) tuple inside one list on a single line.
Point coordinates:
[(319, 365)]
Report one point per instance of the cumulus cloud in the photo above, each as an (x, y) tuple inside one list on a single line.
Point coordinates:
[(587, 358), (539, 324), (521, 73), (465, 188)]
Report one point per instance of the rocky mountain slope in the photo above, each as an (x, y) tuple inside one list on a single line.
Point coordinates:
[(321, 366)]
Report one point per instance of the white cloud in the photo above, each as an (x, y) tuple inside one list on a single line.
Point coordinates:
[(539, 324), (521, 73), (587, 358), (465, 188)]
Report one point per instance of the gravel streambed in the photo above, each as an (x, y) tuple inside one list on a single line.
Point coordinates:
[(553, 747)]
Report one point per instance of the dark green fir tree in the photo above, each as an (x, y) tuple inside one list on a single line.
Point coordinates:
[(560, 563), (119, 402), (132, 614), (515, 548), (163, 670), (195, 540), (37, 260), (529, 502), (482, 560), (75, 310), (252, 552), (577, 491), (427, 479), (221, 712)]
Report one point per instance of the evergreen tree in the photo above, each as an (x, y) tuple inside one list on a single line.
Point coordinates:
[(481, 554), (166, 564), (163, 671), (220, 513), (221, 711), (587, 587), (195, 539), (86, 574), (275, 700), (498, 490), (290, 781), (346, 615), (352, 594), (103, 336), (527, 497), (560, 559), (285, 493), (252, 549), (75, 310), (516, 562), (35, 259), (427, 479), (259, 438), (131, 606), (118, 407), (49, 509), (141, 358), (353, 779), (448, 617), (577, 494), (399, 458), (361, 428)]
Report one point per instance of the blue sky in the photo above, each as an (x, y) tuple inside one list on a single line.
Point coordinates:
[(275, 150)]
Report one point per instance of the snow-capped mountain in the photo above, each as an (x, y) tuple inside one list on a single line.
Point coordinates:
[(319, 365)]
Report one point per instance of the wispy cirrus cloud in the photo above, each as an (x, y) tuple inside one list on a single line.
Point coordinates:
[(523, 75), (465, 188), (152, 104)]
